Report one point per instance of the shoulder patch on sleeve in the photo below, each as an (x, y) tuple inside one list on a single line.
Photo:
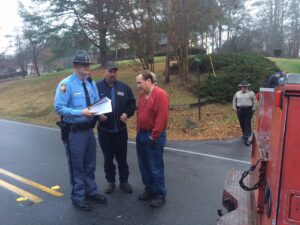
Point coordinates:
[(63, 88)]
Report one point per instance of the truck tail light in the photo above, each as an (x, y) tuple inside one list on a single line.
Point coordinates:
[(278, 98)]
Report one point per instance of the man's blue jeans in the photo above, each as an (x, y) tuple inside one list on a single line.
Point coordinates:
[(150, 158)]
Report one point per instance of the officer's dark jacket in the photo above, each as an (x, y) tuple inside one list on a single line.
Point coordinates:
[(273, 81), (125, 103)]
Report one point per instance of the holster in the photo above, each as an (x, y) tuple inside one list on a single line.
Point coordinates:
[(64, 129)]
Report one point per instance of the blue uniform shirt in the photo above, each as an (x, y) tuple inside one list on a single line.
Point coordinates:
[(70, 99)]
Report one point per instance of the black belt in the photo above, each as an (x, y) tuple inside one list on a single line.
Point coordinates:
[(246, 107), (145, 131), (80, 126)]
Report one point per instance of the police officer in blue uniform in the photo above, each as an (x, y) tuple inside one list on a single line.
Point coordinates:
[(73, 97)]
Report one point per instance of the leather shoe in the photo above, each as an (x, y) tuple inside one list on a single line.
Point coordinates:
[(126, 187), (82, 205), (97, 198), (248, 143), (146, 195), (110, 188), (157, 202)]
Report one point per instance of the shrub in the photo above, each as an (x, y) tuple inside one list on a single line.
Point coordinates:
[(231, 69)]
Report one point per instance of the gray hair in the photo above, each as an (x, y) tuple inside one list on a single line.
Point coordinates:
[(147, 74)]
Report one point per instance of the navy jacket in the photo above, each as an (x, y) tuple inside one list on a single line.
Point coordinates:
[(125, 103), (273, 81)]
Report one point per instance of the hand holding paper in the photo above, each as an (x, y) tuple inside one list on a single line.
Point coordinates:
[(87, 112), (101, 107)]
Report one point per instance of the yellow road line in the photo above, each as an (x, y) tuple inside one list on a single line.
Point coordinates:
[(20, 192), (31, 183)]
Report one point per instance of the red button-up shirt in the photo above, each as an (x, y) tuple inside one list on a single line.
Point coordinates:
[(153, 112)]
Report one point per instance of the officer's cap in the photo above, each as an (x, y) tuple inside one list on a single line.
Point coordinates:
[(111, 65), (244, 83), (81, 57)]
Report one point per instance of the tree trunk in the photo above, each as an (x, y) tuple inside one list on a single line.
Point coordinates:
[(296, 30), (35, 63), (151, 30), (220, 37), (103, 47), (228, 26), (167, 66), (152, 64), (144, 61), (213, 40), (182, 61)]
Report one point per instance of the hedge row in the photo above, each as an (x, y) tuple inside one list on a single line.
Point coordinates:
[(231, 69)]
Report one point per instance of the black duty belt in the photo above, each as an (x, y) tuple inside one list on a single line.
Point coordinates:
[(246, 107), (80, 126)]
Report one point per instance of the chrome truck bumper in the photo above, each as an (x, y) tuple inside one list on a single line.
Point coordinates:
[(237, 202)]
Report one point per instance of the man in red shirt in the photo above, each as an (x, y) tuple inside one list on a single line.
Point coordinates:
[(152, 117)]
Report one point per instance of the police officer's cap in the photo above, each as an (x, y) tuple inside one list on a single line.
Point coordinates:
[(81, 57), (244, 83), (110, 65)]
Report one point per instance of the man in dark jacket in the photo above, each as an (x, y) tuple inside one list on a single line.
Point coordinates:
[(112, 127), (274, 80)]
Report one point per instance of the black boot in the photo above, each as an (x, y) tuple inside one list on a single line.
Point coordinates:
[(82, 205), (146, 195), (110, 188), (126, 187), (97, 198), (157, 202)]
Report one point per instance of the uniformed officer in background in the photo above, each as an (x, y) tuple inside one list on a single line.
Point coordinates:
[(244, 103), (112, 127), (275, 80), (73, 97)]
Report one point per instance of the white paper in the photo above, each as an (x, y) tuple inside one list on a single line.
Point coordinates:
[(102, 107)]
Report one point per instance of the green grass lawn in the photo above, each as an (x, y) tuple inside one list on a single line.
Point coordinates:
[(287, 65)]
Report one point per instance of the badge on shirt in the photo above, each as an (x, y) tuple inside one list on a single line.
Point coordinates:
[(120, 93), (77, 94), (63, 88)]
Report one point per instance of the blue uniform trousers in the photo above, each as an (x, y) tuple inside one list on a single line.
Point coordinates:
[(150, 158), (81, 152)]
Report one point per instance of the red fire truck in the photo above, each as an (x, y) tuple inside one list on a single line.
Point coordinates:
[(269, 192)]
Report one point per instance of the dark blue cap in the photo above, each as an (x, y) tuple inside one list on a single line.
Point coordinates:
[(111, 65), (82, 57)]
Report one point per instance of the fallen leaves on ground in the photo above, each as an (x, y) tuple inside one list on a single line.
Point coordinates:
[(217, 122)]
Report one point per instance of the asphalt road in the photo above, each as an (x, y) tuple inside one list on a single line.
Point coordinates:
[(195, 176)]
